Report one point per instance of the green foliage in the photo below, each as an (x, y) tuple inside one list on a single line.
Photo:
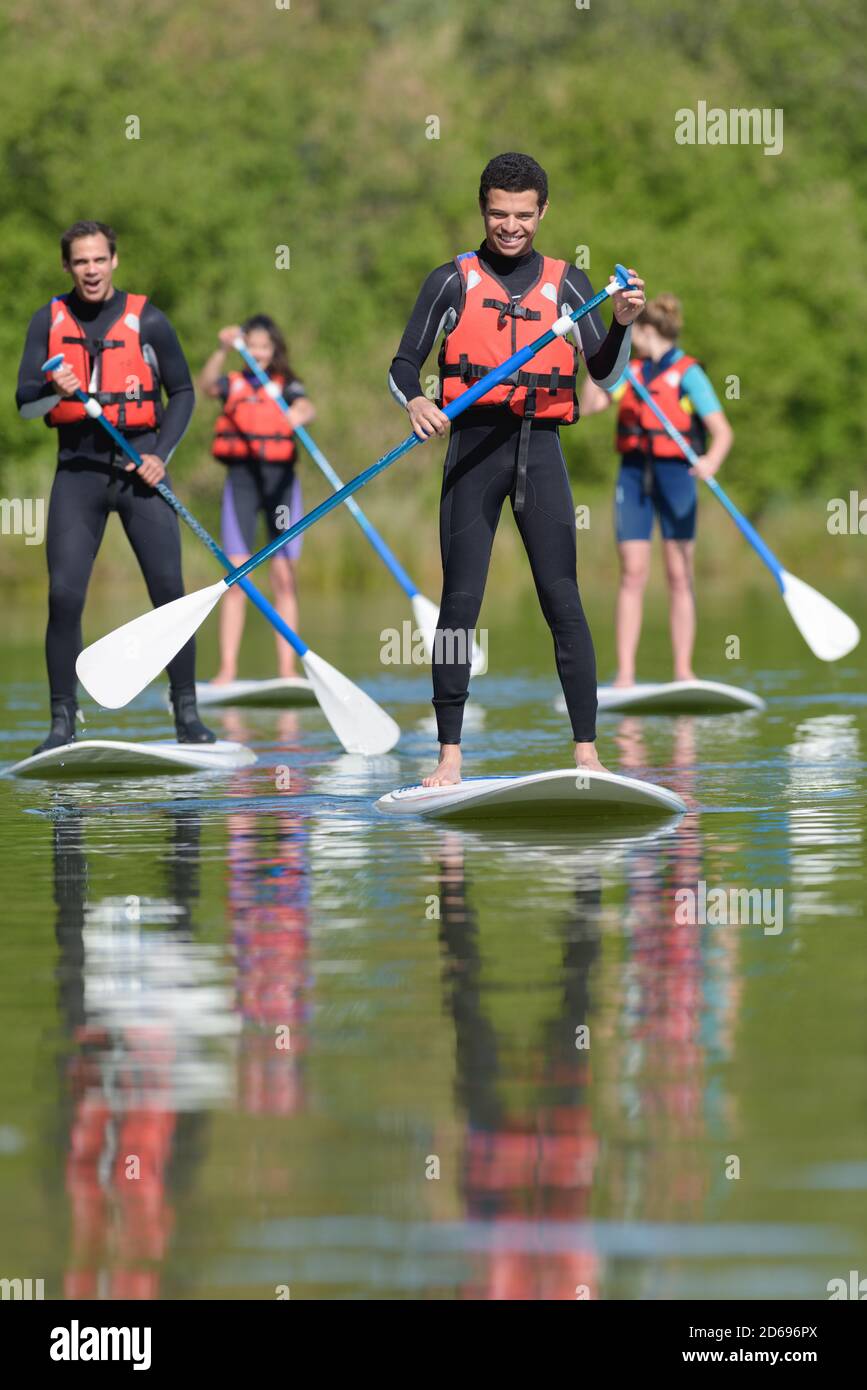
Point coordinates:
[(306, 127)]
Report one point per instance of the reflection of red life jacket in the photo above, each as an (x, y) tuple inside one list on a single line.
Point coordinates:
[(120, 1224), (518, 1161), (637, 426), (491, 326), (252, 425), (113, 368), (535, 1176)]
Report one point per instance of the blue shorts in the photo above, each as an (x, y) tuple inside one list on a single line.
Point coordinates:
[(665, 488)]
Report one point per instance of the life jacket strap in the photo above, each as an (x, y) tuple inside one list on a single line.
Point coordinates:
[(95, 345), (266, 438), (510, 310), (117, 397), (523, 455), (624, 431), (554, 381), (465, 369)]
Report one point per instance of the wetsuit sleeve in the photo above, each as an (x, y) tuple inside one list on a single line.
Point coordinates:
[(293, 391), (606, 354), (435, 310), (696, 385), (157, 333), (35, 395), (223, 388)]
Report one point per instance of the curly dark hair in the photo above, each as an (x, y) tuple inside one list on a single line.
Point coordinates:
[(279, 364), (515, 173)]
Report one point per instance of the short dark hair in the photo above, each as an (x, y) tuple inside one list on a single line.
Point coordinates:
[(515, 173), (80, 229)]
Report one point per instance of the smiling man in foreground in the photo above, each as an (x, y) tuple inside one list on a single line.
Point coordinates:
[(490, 303)]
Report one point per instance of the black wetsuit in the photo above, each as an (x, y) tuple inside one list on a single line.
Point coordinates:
[(480, 473), (91, 482)]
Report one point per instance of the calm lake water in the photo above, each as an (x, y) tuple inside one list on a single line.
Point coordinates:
[(511, 1071)]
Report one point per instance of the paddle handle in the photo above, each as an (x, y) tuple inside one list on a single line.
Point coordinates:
[(391, 561), (455, 408), (744, 526), (95, 411)]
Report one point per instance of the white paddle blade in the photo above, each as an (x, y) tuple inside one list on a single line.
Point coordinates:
[(828, 631), (358, 721), (117, 667), (427, 616)]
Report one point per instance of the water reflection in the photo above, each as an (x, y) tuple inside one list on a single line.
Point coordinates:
[(631, 1046), (825, 795), (268, 873), (530, 1148), (147, 1015), (161, 1030), (596, 1170)]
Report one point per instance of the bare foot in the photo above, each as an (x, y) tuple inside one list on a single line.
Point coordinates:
[(685, 675), (448, 772), (223, 678), (622, 682), (587, 758), (289, 674)]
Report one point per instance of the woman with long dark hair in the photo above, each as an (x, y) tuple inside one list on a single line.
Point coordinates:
[(253, 438)]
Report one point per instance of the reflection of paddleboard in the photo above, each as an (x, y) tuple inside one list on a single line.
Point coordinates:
[(674, 697), (282, 692), (101, 756), (538, 795)]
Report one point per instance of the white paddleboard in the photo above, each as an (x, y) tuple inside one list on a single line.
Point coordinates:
[(539, 795), (283, 692), (102, 757), (674, 697)]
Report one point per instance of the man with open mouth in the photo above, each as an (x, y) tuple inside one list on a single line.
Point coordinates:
[(122, 350)]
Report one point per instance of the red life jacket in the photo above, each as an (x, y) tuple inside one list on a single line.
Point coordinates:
[(638, 427), (252, 425), (113, 368), (491, 327)]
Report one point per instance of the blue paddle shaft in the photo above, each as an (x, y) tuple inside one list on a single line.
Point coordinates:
[(740, 521), (259, 600), (379, 545), (198, 530), (455, 408)]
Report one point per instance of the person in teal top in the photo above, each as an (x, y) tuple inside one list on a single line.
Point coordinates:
[(655, 479)]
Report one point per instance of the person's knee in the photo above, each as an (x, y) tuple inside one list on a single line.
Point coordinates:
[(164, 588), (561, 602), (282, 582), (65, 601), (679, 584), (678, 573), (459, 609), (634, 574)]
